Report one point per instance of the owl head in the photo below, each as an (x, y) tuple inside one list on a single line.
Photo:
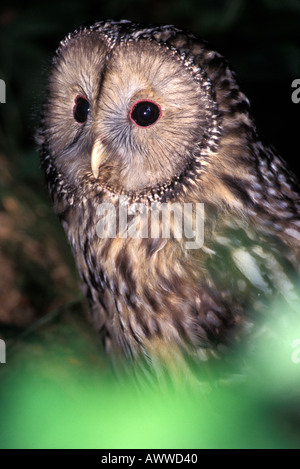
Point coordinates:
[(138, 110)]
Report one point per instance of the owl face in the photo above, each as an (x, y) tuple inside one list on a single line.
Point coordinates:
[(127, 114)]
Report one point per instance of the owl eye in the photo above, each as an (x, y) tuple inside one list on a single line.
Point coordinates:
[(81, 109), (145, 113)]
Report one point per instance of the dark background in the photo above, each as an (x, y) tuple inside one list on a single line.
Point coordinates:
[(259, 37)]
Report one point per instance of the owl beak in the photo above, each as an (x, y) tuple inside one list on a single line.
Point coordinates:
[(99, 154)]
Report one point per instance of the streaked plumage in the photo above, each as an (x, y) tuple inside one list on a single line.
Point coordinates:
[(152, 298)]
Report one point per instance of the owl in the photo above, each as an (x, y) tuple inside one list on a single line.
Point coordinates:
[(183, 225)]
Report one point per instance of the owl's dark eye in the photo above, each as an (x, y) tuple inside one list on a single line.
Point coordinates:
[(81, 109), (145, 113)]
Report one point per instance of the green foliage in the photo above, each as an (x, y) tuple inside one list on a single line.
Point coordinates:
[(57, 391)]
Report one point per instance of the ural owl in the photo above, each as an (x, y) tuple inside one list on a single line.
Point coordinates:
[(183, 225)]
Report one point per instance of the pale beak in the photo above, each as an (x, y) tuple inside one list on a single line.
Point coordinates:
[(98, 155)]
